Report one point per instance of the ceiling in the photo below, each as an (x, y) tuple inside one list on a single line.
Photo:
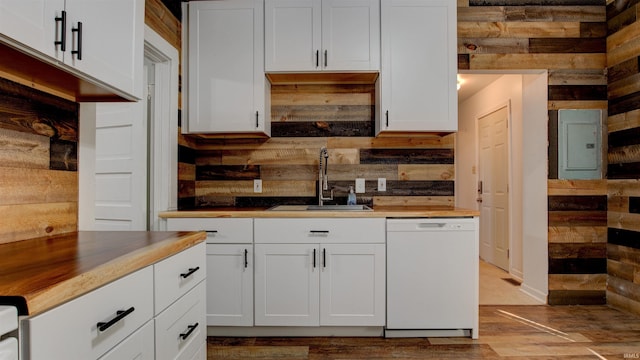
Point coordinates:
[(473, 83)]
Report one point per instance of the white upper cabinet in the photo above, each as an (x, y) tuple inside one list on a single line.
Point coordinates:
[(228, 92), (322, 35), (417, 84), (97, 40)]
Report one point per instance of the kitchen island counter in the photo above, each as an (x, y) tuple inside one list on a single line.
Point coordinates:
[(41, 273)]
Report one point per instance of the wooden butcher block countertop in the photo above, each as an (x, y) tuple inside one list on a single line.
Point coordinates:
[(38, 274), (378, 212)]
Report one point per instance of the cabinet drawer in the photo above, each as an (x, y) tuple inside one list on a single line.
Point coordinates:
[(138, 346), (119, 308), (227, 231), (320, 230), (178, 274), (181, 329)]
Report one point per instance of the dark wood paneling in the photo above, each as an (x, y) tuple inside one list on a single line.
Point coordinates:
[(406, 156), (623, 237), (174, 6), (567, 45), (578, 203), (493, 45), (634, 204), (323, 129), (227, 172), (578, 266), (534, 2), (532, 13), (628, 289), (321, 113), (552, 150), (63, 155), (615, 8), (624, 171), (624, 104), (186, 155), (577, 218), (624, 69), (577, 92), (463, 62), (621, 20), (578, 250), (269, 201), (624, 138), (593, 30), (577, 297)]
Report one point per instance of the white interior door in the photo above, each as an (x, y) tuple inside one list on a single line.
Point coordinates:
[(121, 166), (493, 188)]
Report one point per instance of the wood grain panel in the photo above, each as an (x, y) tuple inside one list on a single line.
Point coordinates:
[(24, 150), (567, 45), (405, 142), (624, 138), (577, 77), (577, 250), (28, 221), (536, 61), (346, 127), (578, 266), (227, 172), (626, 86), (33, 186), (620, 220), (577, 281), (245, 188), (186, 171), (186, 189), (618, 203), (623, 187), (158, 17), (623, 70), (290, 157), (533, 2), (624, 237), (621, 270), (532, 13), (577, 104), (577, 218), (625, 35), (625, 51), (289, 143), (624, 154), (493, 45), (425, 172), (623, 121), (577, 92), (577, 203), (577, 234), (406, 156), (627, 289), (413, 201), (290, 172), (63, 155), (486, 29), (577, 187)]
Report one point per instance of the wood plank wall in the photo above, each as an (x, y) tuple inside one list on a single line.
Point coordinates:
[(623, 248), (38, 157)]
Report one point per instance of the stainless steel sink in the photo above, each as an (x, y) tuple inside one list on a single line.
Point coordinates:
[(320, 208)]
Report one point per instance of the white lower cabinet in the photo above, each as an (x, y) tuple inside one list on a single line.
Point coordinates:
[(230, 284), (120, 321), (331, 274)]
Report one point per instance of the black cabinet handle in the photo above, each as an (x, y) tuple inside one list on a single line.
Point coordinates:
[(78, 51), (387, 115), (190, 329), (317, 58), (319, 231), (63, 31), (324, 257), (257, 123), (325, 58), (120, 314), (314, 258), (190, 272), (246, 258)]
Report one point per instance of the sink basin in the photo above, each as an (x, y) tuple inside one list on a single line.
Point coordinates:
[(320, 208)]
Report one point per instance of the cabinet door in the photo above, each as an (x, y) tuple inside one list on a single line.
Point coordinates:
[(33, 23), (350, 35), (292, 35), (226, 67), (287, 285), (230, 284), (111, 41), (352, 284), (419, 66)]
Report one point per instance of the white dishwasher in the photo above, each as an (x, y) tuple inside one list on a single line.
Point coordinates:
[(432, 277)]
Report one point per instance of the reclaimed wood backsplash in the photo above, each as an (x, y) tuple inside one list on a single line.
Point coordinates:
[(623, 246), (38, 153)]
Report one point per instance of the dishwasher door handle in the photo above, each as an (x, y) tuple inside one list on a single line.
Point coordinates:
[(431, 225)]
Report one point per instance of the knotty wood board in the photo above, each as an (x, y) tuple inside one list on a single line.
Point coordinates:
[(536, 61), (24, 150), (27, 221), (488, 29), (532, 13), (32, 186), (623, 121), (577, 234), (48, 271)]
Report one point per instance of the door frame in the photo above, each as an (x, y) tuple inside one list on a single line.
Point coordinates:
[(506, 104)]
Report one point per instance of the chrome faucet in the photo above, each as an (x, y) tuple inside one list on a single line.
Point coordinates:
[(323, 183)]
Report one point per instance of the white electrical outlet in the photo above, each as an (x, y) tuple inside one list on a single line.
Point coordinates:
[(257, 185), (360, 188), (382, 184)]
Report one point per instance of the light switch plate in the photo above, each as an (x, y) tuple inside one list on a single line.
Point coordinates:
[(382, 184), (257, 185), (360, 188)]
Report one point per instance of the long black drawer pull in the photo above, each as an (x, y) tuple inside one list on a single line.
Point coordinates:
[(319, 231), (190, 272), (324, 257), (190, 329), (63, 31), (314, 258), (246, 258), (78, 51), (257, 120), (120, 314)]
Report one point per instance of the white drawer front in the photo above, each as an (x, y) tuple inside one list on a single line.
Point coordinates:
[(182, 329), (220, 231), (9, 349), (320, 230), (178, 274), (78, 320), (138, 346)]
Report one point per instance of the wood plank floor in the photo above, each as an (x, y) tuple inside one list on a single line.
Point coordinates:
[(506, 332)]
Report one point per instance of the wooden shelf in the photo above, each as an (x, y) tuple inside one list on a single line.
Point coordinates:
[(322, 78)]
